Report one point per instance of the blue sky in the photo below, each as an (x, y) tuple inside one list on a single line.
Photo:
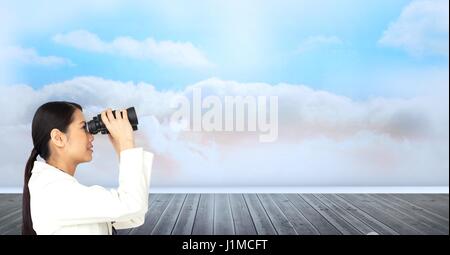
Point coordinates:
[(362, 86), (251, 41)]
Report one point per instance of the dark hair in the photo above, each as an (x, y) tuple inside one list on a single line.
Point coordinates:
[(59, 115)]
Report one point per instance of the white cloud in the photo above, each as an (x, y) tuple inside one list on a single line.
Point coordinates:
[(31, 19), (318, 41), (421, 29), (20, 55), (168, 52), (324, 139)]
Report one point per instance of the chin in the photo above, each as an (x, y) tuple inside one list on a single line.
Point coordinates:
[(88, 158)]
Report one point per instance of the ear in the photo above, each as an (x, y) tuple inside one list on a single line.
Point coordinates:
[(58, 138)]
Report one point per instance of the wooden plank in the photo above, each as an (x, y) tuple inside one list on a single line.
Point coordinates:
[(427, 201), (8, 204), (443, 196), (10, 214), (151, 198), (415, 209), (377, 226), (185, 221), (15, 226), (378, 211), (301, 225), (279, 220), (347, 216), (260, 218), (7, 211), (243, 222), (204, 220), (12, 222), (319, 222), (153, 214), (338, 222), (7, 200), (169, 217), (12, 197), (247, 214), (421, 223), (223, 218)]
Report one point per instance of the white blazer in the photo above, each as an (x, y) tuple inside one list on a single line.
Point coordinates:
[(59, 204)]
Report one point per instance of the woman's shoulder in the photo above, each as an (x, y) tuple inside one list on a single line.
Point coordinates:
[(46, 176)]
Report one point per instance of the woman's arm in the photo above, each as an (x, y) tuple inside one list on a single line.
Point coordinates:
[(70, 203), (139, 219)]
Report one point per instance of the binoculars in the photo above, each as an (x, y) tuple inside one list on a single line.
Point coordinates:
[(96, 124)]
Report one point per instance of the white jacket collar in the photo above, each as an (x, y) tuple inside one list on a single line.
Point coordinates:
[(41, 166)]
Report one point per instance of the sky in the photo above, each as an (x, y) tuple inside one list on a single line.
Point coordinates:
[(362, 84)]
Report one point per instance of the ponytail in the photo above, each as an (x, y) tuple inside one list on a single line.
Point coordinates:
[(27, 223), (59, 115)]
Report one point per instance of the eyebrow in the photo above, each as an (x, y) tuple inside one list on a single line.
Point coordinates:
[(82, 122)]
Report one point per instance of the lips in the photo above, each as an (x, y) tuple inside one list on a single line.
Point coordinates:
[(91, 148)]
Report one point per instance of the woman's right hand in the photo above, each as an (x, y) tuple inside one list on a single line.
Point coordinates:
[(119, 128)]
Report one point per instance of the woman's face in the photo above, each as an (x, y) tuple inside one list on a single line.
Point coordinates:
[(79, 142)]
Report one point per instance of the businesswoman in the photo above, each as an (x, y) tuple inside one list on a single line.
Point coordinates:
[(54, 202)]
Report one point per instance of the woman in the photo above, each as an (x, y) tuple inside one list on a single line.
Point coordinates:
[(53, 200)]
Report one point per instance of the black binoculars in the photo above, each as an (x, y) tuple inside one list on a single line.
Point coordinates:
[(96, 124)]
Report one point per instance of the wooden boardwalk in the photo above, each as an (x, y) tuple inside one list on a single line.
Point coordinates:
[(278, 214)]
